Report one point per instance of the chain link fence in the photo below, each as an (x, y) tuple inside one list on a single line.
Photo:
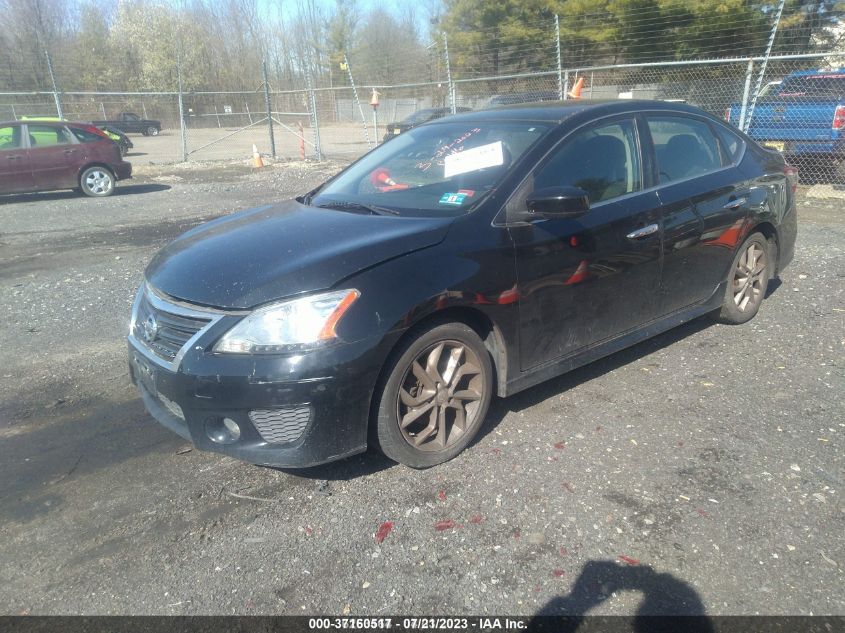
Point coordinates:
[(801, 117)]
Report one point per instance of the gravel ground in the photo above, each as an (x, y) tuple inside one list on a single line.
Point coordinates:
[(701, 471)]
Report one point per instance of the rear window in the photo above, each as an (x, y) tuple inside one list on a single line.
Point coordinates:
[(86, 136), (821, 85), (731, 143)]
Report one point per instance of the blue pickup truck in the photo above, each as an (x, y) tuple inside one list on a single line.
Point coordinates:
[(803, 117)]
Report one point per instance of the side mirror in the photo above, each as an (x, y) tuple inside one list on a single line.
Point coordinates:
[(558, 202)]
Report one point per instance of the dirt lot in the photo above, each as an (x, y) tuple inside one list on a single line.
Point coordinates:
[(339, 141), (701, 471)]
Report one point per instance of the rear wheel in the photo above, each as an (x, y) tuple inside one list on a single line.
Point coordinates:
[(97, 182), (748, 280), (435, 397), (152, 131)]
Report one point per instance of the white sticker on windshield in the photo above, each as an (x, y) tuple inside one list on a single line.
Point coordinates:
[(489, 155)]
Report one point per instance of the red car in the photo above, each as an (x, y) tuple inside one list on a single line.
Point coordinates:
[(48, 155)]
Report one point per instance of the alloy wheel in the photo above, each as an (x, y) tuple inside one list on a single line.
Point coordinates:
[(749, 280), (440, 396), (98, 182)]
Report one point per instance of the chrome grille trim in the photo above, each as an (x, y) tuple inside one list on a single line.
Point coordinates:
[(282, 425), (183, 326)]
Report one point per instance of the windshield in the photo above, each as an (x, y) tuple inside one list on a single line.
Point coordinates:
[(821, 85), (435, 170)]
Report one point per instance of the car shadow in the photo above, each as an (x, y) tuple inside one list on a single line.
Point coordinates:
[(773, 286), (500, 407), (663, 595), (120, 190)]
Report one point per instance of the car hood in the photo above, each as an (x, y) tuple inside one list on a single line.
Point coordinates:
[(272, 252)]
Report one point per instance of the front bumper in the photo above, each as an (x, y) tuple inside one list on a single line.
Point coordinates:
[(318, 401), (123, 170)]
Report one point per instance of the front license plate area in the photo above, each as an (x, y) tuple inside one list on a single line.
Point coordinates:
[(146, 374), (397, 130)]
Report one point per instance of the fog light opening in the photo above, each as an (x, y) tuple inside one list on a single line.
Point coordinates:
[(222, 430)]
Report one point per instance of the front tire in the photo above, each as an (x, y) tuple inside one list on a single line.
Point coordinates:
[(435, 396), (152, 131), (97, 182), (747, 281)]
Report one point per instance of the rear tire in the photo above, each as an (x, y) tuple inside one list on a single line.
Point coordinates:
[(97, 182), (152, 131), (748, 280), (439, 385)]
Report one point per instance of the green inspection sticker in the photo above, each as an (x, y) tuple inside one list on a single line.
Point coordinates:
[(456, 199)]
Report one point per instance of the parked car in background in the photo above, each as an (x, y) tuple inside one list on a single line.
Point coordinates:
[(130, 122), (48, 155), (514, 98), (475, 255), (123, 141), (803, 117), (418, 118)]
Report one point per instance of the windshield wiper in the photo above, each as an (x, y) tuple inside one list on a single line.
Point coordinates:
[(343, 205)]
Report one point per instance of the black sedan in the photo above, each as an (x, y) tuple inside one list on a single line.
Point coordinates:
[(418, 118), (469, 257)]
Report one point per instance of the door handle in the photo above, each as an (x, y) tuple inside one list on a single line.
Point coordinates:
[(13, 157), (70, 151), (735, 204), (651, 229)]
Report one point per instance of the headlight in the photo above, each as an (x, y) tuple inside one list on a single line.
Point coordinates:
[(288, 325)]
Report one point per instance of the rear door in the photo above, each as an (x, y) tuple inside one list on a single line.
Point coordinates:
[(55, 156), (15, 172), (587, 279), (705, 202)]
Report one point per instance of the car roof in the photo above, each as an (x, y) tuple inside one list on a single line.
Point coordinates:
[(55, 122), (559, 111)]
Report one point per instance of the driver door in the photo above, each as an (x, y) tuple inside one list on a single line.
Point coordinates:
[(585, 280)]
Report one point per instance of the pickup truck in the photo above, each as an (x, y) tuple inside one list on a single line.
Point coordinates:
[(131, 122), (803, 117)]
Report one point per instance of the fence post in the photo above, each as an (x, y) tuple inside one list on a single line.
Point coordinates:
[(452, 104), (183, 131), (56, 97), (269, 109), (312, 107), (759, 83), (566, 85), (103, 110), (559, 63), (357, 101), (746, 91)]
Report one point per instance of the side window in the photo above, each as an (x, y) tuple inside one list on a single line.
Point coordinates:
[(684, 147), (84, 136), (10, 137), (603, 161), (731, 143), (47, 136)]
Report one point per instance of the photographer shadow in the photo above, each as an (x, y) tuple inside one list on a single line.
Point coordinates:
[(668, 604)]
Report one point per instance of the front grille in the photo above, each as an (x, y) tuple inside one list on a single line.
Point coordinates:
[(278, 426), (164, 332)]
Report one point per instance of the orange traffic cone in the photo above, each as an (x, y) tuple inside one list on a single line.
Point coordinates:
[(257, 161), (575, 93)]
